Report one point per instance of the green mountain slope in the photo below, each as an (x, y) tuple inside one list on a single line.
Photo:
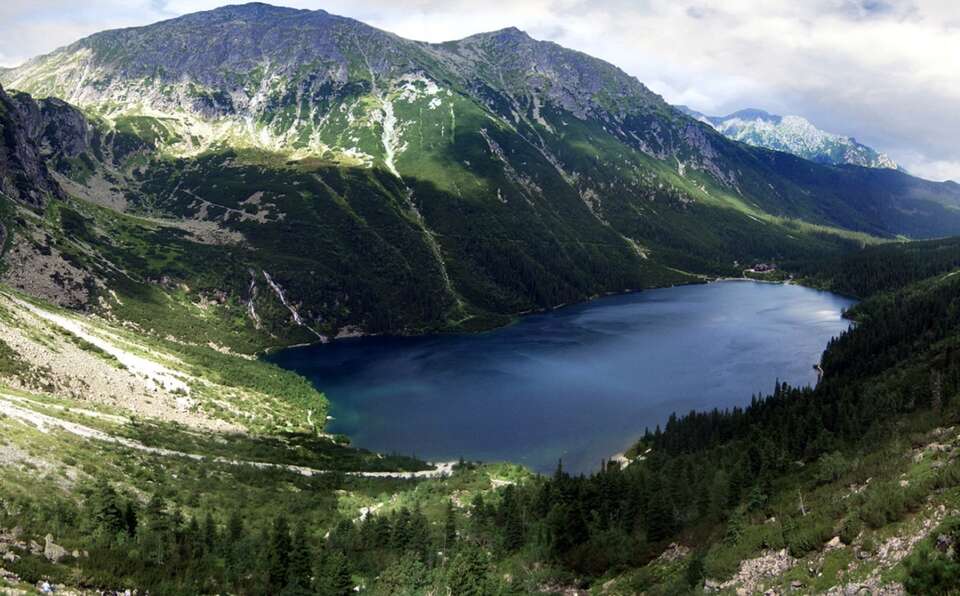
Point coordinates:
[(853, 485), (327, 177), (504, 173), (256, 176)]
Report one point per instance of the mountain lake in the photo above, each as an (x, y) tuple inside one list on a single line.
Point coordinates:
[(580, 383)]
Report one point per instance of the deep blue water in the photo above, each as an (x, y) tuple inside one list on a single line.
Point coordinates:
[(580, 383)]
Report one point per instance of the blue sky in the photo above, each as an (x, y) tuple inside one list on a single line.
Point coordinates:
[(884, 71)]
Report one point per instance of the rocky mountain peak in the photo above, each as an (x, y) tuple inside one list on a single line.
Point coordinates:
[(752, 114), (507, 34), (793, 134)]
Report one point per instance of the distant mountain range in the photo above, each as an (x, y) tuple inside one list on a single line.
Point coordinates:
[(796, 135), (176, 199)]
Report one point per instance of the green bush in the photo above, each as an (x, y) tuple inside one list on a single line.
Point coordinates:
[(807, 533), (930, 572), (851, 528), (33, 569), (888, 502), (949, 476)]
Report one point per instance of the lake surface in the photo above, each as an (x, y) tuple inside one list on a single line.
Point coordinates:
[(580, 383)]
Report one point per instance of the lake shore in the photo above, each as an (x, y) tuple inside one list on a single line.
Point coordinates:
[(591, 375), (355, 333)]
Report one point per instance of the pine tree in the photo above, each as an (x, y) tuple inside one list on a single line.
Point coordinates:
[(334, 577), (235, 527), (159, 534), (695, 571), (298, 580), (209, 532), (406, 575), (193, 537), (468, 574), (233, 548), (478, 513), (108, 518), (130, 520), (449, 530), (735, 527), (278, 556), (401, 532), (511, 520), (419, 534), (660, 519)]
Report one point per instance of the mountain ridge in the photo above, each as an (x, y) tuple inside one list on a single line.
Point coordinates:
[(189, 221), (796, 135), (339, 162)]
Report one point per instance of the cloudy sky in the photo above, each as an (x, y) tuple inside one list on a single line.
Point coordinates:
[(884, 71)]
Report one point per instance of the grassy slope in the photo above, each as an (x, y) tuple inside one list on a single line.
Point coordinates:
[(886, 497), (872, 521), (47, 477)]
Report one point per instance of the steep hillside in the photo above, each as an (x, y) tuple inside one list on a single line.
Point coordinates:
[(178, 197), (796, 135), (23, 174), (316, 176), (115, 446), (853, 485)]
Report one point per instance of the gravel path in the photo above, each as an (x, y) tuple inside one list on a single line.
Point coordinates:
[(13, 407)]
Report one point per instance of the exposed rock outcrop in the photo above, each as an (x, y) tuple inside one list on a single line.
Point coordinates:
[(23, 173)]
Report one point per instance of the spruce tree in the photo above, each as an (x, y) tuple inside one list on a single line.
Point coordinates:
[(278, 555), (130, 520), (209, 532), (419, 543), (298, 576), (468, 574), (449, 529), (334, 577), (511, 520), (159, 534), (401, 532), (108, 518)]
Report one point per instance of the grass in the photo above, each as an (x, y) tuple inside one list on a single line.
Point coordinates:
[(887, 488), (59, 468)]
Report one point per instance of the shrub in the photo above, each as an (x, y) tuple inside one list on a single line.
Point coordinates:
[(949, 476), (851, 528), (808, 534), (929, 572), (33, 569)]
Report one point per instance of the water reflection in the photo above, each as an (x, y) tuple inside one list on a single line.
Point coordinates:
[(579, 383)]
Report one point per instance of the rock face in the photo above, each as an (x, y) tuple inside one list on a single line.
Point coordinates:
[(56, 128), (250, 60), (387, 185), (23, 173)]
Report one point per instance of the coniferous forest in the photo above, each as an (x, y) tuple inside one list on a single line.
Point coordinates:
[(711, 480), (181, 199)]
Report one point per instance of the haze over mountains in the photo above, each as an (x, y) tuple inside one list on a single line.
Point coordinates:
[(796, 135), (343, 177)]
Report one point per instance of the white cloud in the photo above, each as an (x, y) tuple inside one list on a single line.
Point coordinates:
[(883, 71)]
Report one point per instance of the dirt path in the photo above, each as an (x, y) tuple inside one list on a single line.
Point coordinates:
[(156, 374), (10, 405)]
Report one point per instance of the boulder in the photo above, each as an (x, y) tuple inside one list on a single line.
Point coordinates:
[(52, 551)]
